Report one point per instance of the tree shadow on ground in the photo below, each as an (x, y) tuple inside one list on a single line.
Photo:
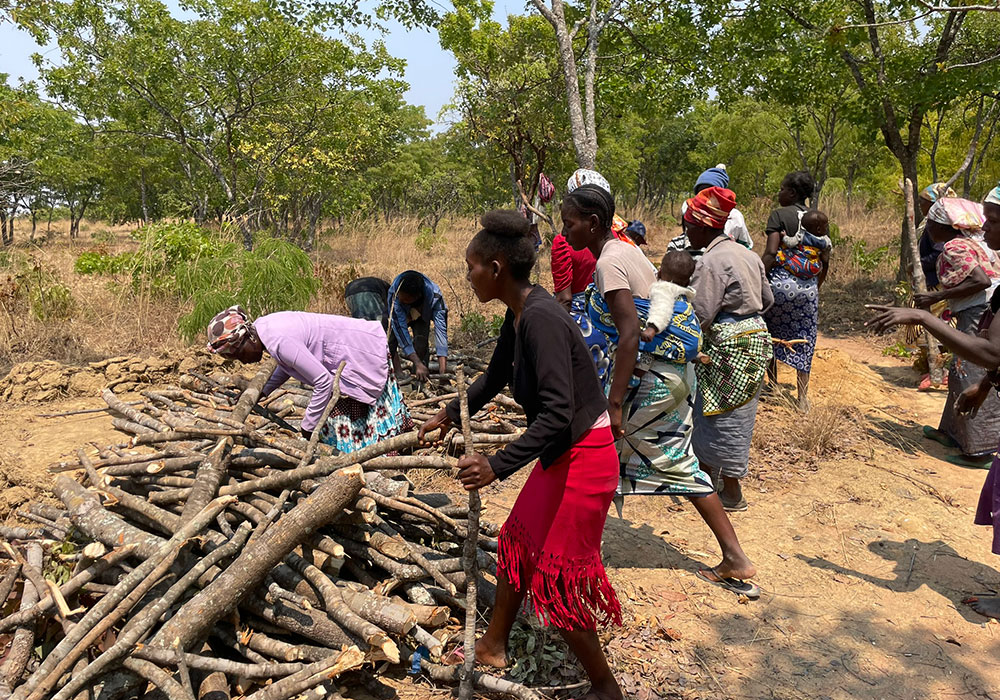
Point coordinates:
[(630, 545), (837, 647), (958, 579), (902, 376), (789, 652), (901, 434)]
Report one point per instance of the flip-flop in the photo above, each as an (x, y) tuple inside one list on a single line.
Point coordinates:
[(739, 506), (971, 463), (736, 585), (938, 437)]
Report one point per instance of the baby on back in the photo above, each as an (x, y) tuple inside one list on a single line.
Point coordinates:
[(801, 252), (672, 281)]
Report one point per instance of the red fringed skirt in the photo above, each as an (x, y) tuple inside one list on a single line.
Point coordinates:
[(552, 539)]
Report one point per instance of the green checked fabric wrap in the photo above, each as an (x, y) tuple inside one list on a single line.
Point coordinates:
[(740, 350)]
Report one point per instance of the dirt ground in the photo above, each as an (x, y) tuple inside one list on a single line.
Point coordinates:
[(862, 536)]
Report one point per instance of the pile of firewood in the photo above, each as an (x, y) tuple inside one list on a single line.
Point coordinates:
[(214, 553)]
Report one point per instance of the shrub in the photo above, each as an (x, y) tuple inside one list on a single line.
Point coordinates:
[(274, 276), (103, 236), (36, 287), (202, 269)]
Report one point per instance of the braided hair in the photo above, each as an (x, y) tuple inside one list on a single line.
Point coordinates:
[(591, 200)]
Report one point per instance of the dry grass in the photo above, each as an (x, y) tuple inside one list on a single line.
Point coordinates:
[(111, 320), (107, 319)]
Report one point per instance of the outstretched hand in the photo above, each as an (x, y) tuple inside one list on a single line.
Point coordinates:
[(889, 316), (475, 472)]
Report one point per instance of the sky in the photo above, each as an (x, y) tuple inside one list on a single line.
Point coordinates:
[(429, 68)]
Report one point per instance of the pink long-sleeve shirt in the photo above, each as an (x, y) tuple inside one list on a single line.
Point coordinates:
[(310, 347)]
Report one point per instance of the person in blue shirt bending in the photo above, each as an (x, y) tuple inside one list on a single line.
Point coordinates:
[(414, 302)]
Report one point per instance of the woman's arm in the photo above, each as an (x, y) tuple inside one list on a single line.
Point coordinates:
[(626, 321), (498, 374), (565, 297), (548, 351), (770, 256), (824, 258), (292, 354), (976, 282), (984, 352)]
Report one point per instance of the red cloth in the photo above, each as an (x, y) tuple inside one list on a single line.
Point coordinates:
[(571, 268), (552, 539)]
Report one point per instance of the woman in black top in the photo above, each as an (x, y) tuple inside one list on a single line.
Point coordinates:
[(550, 545)]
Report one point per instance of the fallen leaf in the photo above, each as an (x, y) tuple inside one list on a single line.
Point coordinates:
[(670, 634)]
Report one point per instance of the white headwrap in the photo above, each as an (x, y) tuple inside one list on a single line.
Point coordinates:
[(587, 177), (993, 197)]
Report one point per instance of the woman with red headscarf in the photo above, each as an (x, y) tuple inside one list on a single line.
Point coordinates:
[(732, 293)]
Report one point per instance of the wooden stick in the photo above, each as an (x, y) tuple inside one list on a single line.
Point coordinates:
[(469, 553), (334, 398), (24, 638)]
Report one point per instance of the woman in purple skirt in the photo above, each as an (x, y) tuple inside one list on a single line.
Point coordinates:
[(982, 349)]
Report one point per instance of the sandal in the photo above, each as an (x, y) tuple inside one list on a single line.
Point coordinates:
[(739, 506), (736, 585), (970, 462), (939, 436)]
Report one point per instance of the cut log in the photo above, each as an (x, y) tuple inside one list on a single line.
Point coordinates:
[(193, 621)]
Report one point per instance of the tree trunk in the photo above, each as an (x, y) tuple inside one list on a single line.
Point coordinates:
[(142, 196), (906, 256), (585, 154)]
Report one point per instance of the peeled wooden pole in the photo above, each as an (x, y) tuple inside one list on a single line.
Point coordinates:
[(213, 470), (467, 681)]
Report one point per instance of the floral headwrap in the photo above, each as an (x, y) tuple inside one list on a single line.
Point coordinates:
[(228, 329), (587, 177), (710, 207), (958, 213), (932, 193), (993, 197)]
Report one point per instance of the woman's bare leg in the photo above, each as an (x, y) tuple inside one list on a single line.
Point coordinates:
[(587, 647), (802, 381), (735, 563), (491, 648)]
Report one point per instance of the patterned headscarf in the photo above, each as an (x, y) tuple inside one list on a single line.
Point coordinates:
[(939, 189), (710, 207), (714, 177), (993, 197), (587, 177), (228, 329), (958, 213)]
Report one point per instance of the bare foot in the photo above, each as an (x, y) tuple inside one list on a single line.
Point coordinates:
[(990, 607), (804, 405), (490, 655), (736, 566)]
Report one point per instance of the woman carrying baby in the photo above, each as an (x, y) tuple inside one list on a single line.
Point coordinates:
[(797, 261)]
